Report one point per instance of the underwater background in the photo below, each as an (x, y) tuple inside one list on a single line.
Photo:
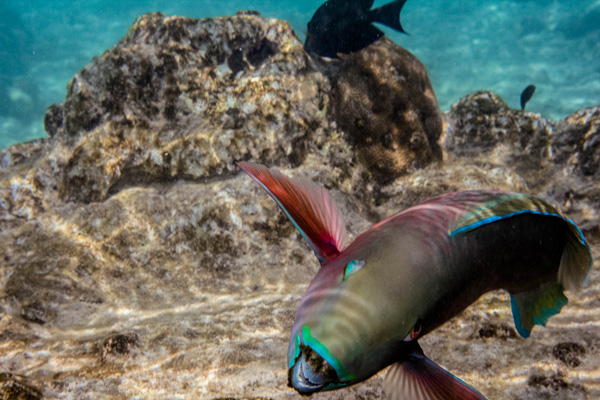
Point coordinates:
[(138, 261), (466, 45)]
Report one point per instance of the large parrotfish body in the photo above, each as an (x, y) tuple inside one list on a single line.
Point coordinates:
[(370, 301)]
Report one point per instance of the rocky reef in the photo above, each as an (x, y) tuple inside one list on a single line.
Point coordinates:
[(137, 262)]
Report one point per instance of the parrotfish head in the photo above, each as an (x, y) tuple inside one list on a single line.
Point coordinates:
[(364, 300), (348, 327)]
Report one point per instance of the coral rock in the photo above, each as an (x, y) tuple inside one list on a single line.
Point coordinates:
[(154, 106), (14, 388), (542, 153), (382, 98)]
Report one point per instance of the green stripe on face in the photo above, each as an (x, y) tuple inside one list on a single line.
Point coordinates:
[(292, 360), (314, 344)]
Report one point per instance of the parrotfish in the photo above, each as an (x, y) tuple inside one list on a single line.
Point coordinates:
[(345, 26), (372, 300), (526, 95)]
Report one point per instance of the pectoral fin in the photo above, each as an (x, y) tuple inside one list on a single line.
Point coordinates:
[(308, 205), (418, 378)]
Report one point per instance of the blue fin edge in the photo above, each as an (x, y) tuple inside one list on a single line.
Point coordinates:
[(489, 220)]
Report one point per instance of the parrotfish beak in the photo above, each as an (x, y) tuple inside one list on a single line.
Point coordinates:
[(311, 373)]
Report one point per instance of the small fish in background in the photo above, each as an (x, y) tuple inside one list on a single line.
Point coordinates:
[(345, 26), (526, 95), (372, 300)]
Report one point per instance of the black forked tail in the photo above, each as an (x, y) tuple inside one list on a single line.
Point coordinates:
[(389, 15)]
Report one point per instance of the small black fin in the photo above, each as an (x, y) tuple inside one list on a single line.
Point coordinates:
[(526, 95), (389, 15)]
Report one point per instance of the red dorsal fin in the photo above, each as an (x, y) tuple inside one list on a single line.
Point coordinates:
[(308, 205)]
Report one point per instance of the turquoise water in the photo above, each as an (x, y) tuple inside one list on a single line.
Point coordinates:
[(466, 45)]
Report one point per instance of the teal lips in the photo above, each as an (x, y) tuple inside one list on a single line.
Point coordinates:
[(308, 374), (313, 368)]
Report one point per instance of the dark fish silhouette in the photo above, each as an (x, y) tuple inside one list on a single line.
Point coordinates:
[(344, 26), (526, 95)]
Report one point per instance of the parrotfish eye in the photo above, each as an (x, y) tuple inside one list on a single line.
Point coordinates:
[(414, 332), (352, 267)]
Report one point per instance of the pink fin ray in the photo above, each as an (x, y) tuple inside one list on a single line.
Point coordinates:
[(419, 378), (308, 205)]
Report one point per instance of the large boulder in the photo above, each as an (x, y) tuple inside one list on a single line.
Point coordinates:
[(179, 98), (383, 100)]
